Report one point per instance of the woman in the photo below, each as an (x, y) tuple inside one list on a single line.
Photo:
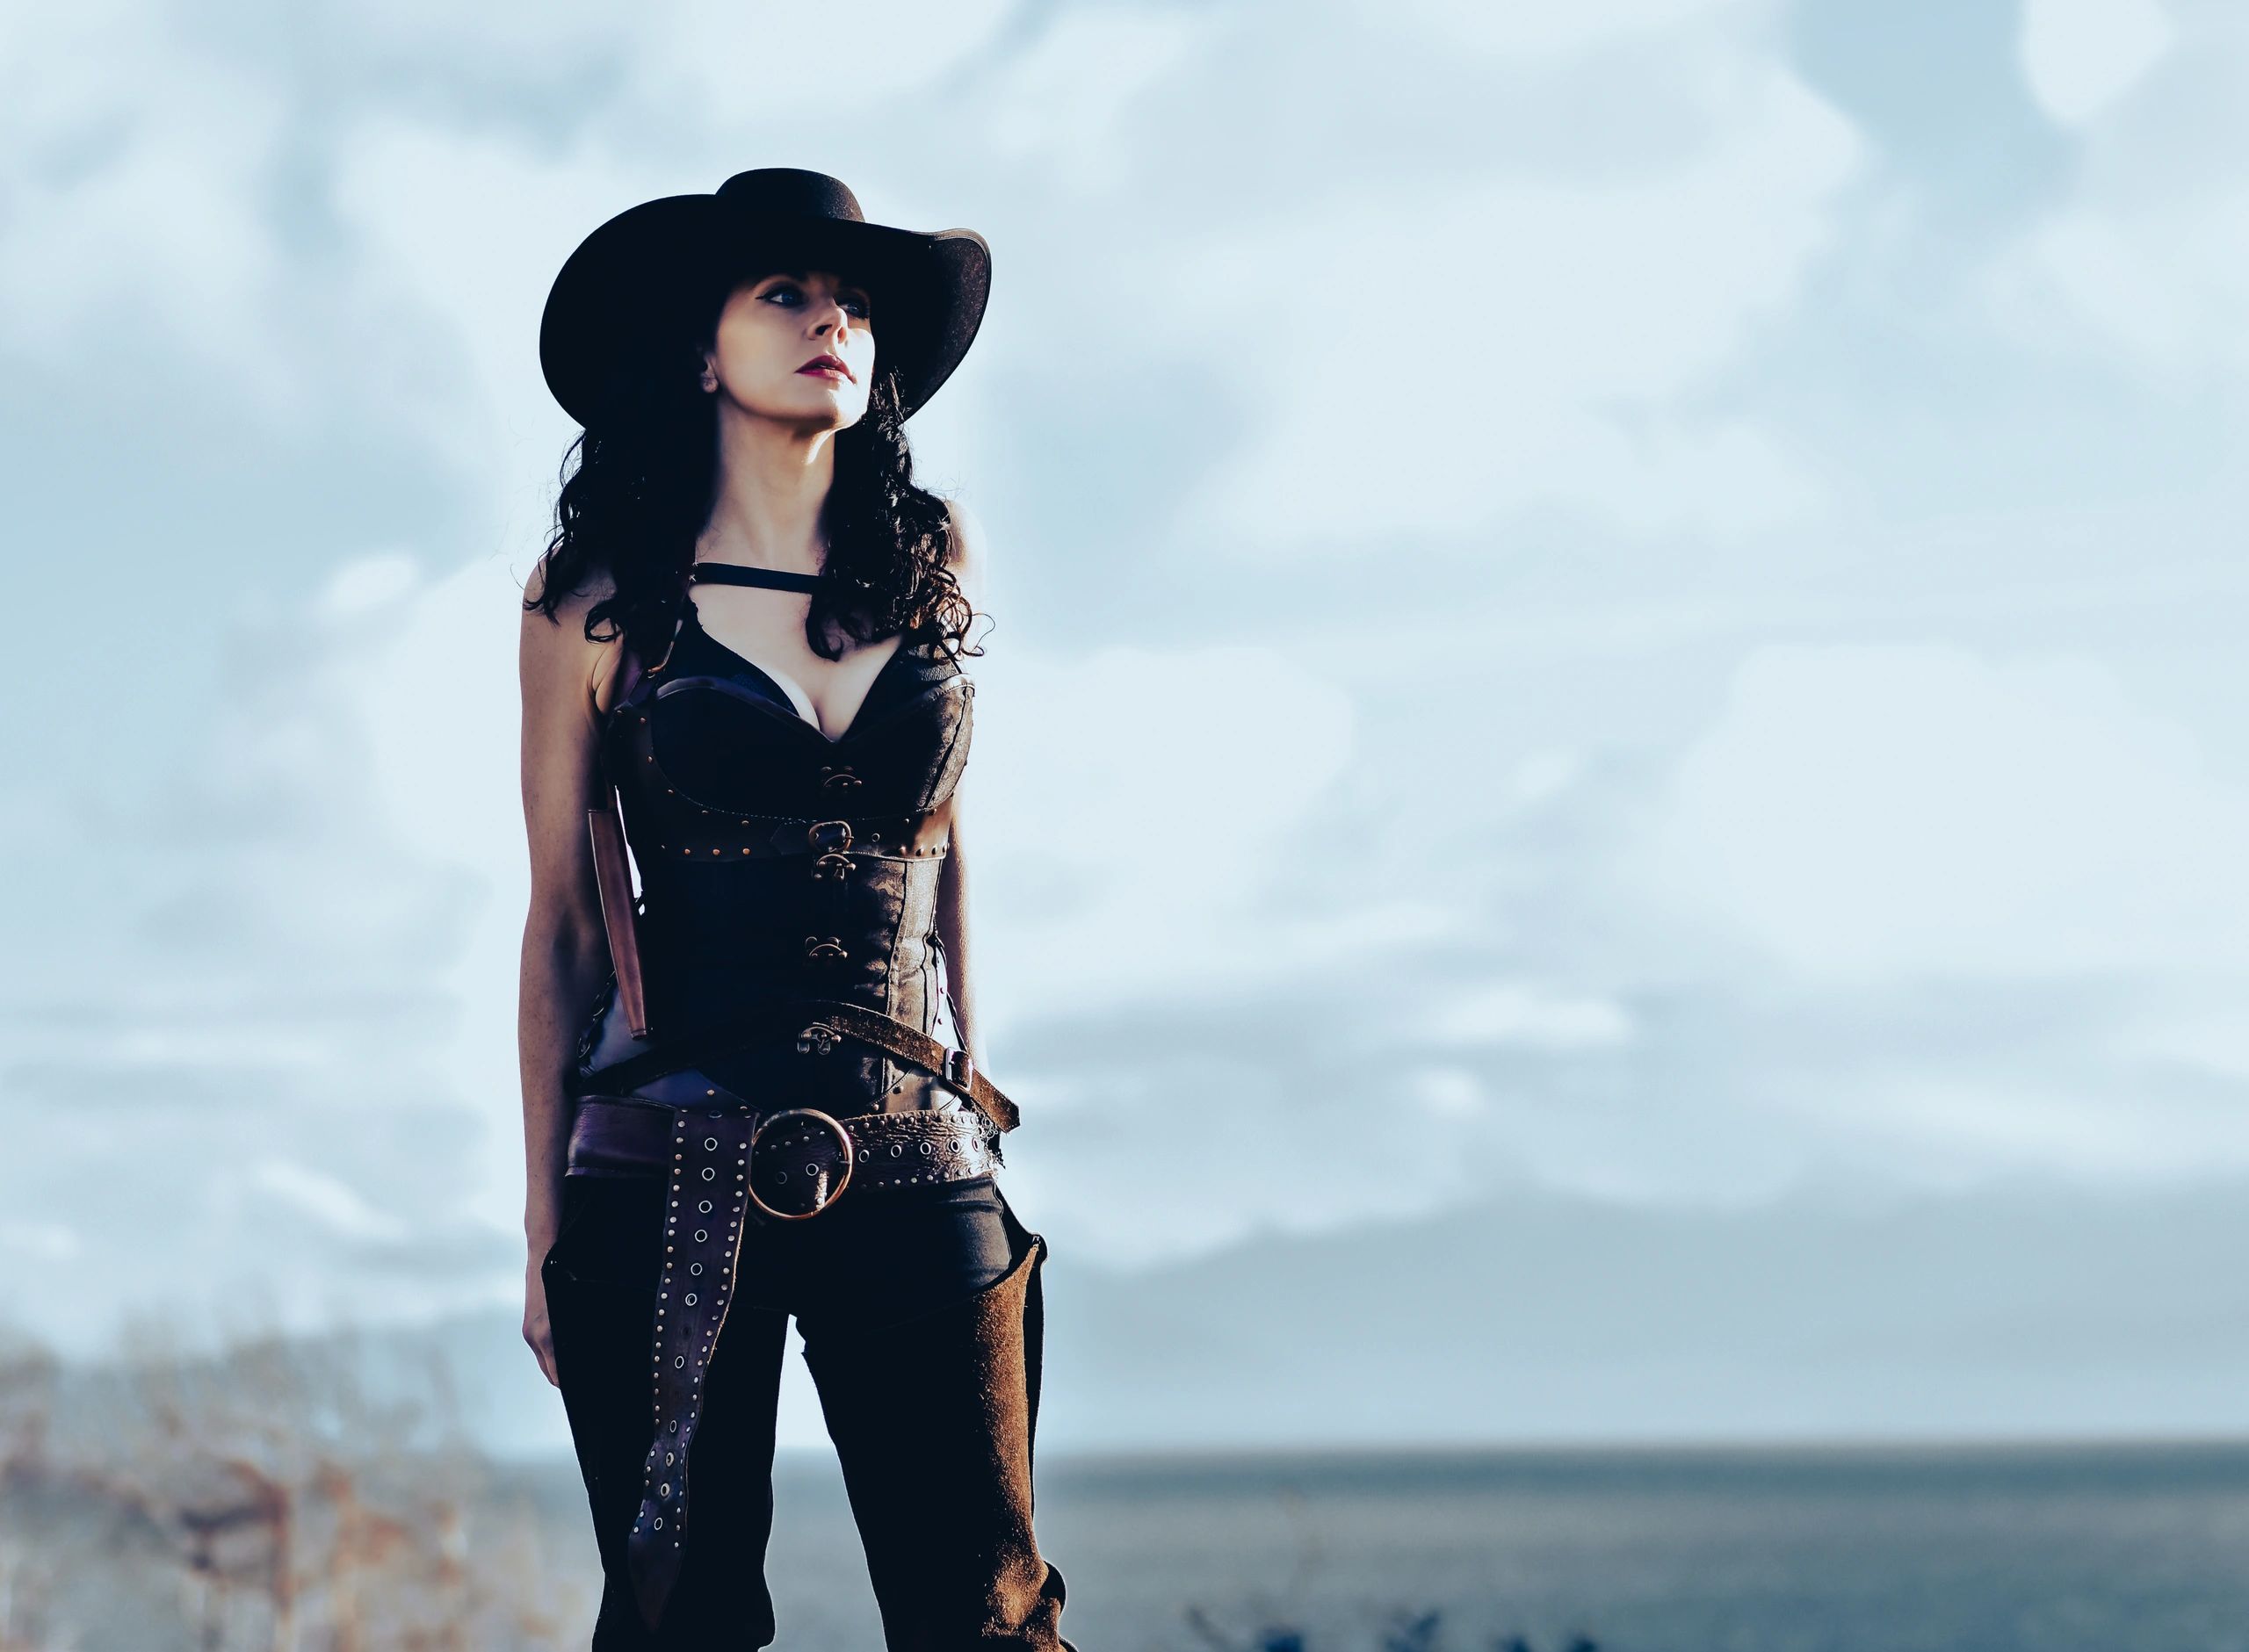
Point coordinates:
[(745, 637)]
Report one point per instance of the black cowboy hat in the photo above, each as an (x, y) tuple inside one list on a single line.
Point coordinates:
[(636, 285)]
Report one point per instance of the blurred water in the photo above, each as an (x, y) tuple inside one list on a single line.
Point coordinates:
[(1722, 1550)]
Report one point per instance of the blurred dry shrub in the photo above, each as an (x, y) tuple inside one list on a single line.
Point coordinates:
[(261, 1496)]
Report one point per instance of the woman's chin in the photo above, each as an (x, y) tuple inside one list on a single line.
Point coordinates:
[(818, 407)]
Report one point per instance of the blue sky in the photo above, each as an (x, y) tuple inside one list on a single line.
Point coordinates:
[(1636, 603)]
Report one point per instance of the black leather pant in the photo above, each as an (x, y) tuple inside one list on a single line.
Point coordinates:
[(885, 1286)]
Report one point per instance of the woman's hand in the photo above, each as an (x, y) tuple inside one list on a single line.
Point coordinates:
[(536, 1331)]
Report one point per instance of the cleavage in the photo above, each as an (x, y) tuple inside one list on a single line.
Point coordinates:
[(798, 700)]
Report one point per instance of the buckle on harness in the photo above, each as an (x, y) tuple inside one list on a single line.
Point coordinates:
[(959, 1071), (808, 1163), (817, 835)]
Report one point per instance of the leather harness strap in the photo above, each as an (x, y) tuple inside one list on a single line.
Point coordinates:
[(951, 1067), (766, 836), (818, 1019)]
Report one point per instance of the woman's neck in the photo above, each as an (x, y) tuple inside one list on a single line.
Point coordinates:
[(773, 481)]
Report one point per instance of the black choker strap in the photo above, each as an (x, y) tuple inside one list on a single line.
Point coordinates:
[(736, 573)]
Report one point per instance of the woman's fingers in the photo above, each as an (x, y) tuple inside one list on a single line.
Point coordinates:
[(536, 1329)]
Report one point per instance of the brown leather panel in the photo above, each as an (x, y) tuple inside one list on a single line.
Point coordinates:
[(613, 877)]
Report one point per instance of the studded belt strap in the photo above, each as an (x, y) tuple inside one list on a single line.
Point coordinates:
[(767, 837), (704, 1215), (632, 1135), (711, 1198)]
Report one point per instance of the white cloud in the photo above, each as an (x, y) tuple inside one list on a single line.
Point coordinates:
[(1526, 1014), (261, 979), (1917, 812), (42, 1241), (1061, 103), (2146, 260), (1447, 1092), (1547, 33), (504, 41), (456, 240), (133, 169), (2079, 56), (1428, 357), (327, 1199), (2209, 1038), (1958, 1127), (733, 64), (1131, 808)]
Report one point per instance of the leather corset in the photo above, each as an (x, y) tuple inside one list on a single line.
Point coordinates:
[(752, 892)]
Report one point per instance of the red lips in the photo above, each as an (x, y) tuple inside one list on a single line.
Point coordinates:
[(831, 362)]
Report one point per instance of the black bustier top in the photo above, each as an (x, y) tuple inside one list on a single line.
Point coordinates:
[(715, 767)]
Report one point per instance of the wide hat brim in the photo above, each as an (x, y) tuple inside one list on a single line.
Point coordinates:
[(635, 288)]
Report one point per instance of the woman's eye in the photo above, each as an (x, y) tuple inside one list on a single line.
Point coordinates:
[(852, 302)]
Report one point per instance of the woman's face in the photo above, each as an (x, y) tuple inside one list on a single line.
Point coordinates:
[(772, 336)]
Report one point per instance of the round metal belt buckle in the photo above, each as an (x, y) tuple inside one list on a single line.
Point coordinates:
[(800, 1162)]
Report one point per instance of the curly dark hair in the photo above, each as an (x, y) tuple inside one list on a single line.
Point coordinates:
[(646, 482)]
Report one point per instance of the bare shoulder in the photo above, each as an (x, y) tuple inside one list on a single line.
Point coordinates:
[(968, 559), (557, 659)]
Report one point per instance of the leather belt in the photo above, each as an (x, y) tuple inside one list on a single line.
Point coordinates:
[(805, 1156), (819, 1022), (725, 1166), (755, 837)]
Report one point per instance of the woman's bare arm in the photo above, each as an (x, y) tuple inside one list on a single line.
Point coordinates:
[(953, 880), (565, 950)]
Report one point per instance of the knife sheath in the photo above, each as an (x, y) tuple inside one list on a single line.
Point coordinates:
[(613, 875)]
